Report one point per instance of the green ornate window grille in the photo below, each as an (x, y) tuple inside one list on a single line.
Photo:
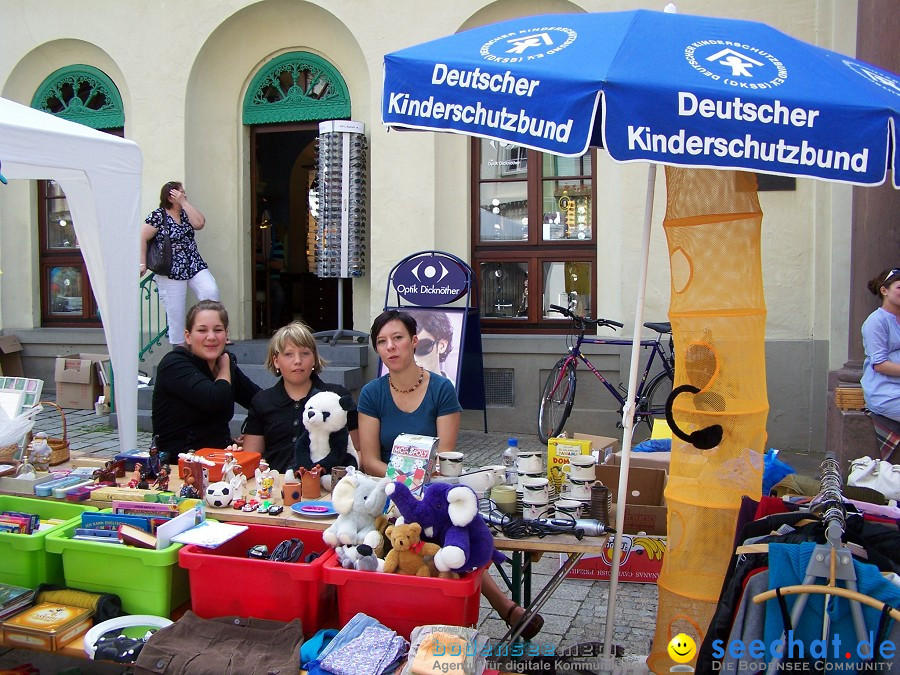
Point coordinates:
[(81, 94), (296, 87)]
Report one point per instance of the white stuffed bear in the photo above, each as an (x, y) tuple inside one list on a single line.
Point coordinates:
[(325, 440), (359, 499)]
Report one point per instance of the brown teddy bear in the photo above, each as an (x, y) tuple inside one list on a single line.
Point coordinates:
[(409, 551)]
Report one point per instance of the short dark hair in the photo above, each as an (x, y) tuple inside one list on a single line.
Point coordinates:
[(437, 323), (386, 317), (164, 201), (883, 278), (214, 305)]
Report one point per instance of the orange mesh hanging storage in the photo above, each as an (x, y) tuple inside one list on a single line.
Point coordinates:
[(718, 316)]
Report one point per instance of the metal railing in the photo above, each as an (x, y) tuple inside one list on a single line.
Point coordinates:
[(154, 322)]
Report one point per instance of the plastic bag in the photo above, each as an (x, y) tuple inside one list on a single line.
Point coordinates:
[(13, 430)]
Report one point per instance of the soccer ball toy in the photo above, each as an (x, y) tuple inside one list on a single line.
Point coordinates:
[(219, 495)]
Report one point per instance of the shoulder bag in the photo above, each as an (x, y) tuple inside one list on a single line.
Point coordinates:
[(876, 474), (159, 250)]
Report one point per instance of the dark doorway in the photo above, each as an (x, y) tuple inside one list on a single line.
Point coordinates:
[(283, 232)]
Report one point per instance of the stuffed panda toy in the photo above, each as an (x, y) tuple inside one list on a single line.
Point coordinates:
[(325, 440)]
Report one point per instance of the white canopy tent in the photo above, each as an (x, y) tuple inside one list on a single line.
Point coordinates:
[(101, 176)]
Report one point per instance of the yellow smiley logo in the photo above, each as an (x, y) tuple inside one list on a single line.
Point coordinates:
[(682, 648)]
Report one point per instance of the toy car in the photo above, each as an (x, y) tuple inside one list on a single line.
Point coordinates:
[(239, 504), (275, 509)]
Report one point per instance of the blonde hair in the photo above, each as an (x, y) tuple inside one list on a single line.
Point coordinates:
[(299, 334)]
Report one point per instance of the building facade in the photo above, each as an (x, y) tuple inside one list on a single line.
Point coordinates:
[(226, 96)]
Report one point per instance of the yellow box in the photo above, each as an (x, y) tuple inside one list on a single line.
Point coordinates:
[(558, 452)]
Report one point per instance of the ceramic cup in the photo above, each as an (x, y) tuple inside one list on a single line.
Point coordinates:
[(450, 463), (580, 467), (536, 490), (290, 492), (533, 511), (578, 489), (337, 473), (480, 481), (499, 472), (504, 497), (571, 507), (527, 475), (529, 461)]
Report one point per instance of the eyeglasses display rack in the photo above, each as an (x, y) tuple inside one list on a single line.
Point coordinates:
[(339, 249)]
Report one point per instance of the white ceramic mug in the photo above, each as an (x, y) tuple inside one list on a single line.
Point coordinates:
[(529, 461), (450, 463), (533, 511), (578, 489), (499, 472), (527, 475), (536, 490), (570, 507), (480, 481), (579, 471)]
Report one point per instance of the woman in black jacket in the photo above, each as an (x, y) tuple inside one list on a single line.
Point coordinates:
[(198, 384)]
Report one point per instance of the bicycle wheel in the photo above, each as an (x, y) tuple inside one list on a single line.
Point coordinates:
[(556, 399), (653, 401)]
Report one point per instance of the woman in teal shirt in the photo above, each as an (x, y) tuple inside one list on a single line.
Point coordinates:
[(412, 400), (408, 400)]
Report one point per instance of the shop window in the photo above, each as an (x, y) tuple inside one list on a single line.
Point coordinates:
[(533, 225), (88, 96)]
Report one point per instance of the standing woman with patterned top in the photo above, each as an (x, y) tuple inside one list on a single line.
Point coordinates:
[(179, 218)]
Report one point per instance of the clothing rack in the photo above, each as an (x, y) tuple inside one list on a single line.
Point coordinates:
[(831, 561)]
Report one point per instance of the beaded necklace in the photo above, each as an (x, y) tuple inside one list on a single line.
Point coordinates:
[(411, 389)]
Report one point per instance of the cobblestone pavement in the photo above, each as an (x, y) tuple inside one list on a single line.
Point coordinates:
[(575, 614)]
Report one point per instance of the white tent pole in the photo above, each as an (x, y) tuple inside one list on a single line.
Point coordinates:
[(628, 414)]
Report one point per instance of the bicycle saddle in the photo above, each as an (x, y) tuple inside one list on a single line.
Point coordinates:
[(664, 327)]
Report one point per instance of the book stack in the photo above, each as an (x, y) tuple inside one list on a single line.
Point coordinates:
[(132, 523), (13, 599)]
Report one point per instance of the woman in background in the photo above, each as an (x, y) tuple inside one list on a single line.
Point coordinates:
[(412, 400), (197, 385), (881, 368), (179, 218), (275, 420)]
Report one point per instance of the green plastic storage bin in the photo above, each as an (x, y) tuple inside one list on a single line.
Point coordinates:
[(24, 558), (147, 581)]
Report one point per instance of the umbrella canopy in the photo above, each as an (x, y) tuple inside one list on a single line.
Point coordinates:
[(653, 86)]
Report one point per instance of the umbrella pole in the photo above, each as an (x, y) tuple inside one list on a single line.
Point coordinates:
[(628, 417)]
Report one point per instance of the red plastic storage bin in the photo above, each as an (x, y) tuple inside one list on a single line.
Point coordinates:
[(225, 582), (402, 602)]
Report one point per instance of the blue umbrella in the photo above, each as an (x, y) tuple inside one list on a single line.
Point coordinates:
[(654, 86)]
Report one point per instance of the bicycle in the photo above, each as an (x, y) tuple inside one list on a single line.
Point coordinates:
[(558, 394)]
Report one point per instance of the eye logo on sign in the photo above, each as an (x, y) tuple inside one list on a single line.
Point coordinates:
[(429, 281), (883, 80), (528, 44), (736, 65)]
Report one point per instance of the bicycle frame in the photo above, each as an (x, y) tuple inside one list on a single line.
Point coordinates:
[(655, 347)]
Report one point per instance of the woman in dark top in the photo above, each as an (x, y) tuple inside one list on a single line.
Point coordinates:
[(275, 420), (198, 384)]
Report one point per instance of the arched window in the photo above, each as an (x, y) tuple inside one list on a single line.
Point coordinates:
[(82, 94), (296, 87)]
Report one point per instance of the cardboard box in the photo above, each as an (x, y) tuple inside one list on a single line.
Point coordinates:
[(644, 536), (77, 383), (601, 446), (11, 356), (643, 460), (559, 450)]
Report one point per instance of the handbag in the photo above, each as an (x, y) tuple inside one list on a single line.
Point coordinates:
[(876, 474), (159, 251)]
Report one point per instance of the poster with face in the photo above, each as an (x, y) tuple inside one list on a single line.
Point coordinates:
[(439, 334)]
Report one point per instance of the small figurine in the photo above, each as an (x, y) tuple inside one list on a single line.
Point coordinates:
[(239, 483), (162, 480), (40, 452), (107, 474), (188, 490), (154, 463), (262, 472), (264, 488), (228, 467), (137, 475)]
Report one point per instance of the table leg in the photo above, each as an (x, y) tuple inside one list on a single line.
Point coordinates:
[(546, 592), (516, 590)]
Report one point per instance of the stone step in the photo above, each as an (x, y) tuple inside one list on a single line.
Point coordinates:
[(145, 423)]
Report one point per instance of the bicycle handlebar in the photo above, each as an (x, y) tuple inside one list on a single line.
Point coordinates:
[(583, 319)]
